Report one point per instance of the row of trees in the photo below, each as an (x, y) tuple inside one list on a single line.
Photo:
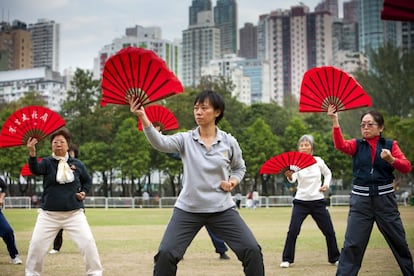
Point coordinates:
[(113, 148)]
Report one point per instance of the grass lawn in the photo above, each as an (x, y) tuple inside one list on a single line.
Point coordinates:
[(127, 240)]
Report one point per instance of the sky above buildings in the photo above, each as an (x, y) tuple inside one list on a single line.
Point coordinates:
[(87, 25)]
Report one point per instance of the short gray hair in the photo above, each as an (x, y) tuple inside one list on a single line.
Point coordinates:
[(309, 138)]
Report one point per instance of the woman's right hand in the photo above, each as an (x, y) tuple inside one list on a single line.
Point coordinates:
[(31, 145), (138, 109), (288, 174), (135, 107), (333, 114)]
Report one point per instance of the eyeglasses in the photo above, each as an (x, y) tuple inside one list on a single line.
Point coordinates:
[(369, 125)]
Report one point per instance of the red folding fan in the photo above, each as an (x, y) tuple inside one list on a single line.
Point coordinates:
[(160, 115), (140, 73), (327, 85), (25, 171), (29, 121), (398, 10), (291, 160)]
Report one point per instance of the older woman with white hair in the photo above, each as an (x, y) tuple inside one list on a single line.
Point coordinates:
[(310, 200)]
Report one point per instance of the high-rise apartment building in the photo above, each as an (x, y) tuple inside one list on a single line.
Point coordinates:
[(196, 7), (294, 40), (350, 10), (144, 37), (15, 84), (374, 32), (225, 18), (46, 43), (407, 36), (229, 68), (248, 41), (15, 46), (328, 5), (200, 44)]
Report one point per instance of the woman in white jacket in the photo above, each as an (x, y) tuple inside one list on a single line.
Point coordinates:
[(310, 200)]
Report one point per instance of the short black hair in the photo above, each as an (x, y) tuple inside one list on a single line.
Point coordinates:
[(378, 118), (216, 100)]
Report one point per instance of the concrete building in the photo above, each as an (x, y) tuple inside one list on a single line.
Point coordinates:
[(293, 41), (351, 61), (374, 32), (15, 84), (145, 37), (225, 18), (248, 41), (15, 46), (200, 45), (228, 68), (196, 7), (258, 72), (330, 6), (46, 44)]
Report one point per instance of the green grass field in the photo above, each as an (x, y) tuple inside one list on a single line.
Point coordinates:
[(127, 240)]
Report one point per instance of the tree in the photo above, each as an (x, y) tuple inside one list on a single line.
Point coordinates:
[(390, 80), (79, 106), (95, 156), (132, 154), (258, 144), (293, 132), (274, 115), (402, 130)]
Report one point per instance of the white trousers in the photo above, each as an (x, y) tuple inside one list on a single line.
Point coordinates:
[(76, 226)]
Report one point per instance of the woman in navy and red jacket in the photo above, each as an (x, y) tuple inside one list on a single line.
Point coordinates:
[(372, 198)]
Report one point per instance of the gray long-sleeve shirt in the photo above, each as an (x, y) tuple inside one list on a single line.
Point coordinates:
[(204, 168)]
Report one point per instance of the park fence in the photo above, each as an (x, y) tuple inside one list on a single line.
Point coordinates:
[(168, 202)]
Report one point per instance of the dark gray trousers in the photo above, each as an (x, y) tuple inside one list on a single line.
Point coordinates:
[(363, 212), (183, 227)]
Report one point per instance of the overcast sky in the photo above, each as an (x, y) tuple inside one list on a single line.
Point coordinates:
[(87, 25)]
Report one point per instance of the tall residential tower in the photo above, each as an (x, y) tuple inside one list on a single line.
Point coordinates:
[(46, 44)]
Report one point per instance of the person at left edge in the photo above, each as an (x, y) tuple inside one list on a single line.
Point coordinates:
[(65, 185), (6, 231), (212, 166)]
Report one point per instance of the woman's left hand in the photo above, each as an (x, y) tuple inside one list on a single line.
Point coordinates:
[(323, 188), (227, 186), (80, 196), (387, 156)]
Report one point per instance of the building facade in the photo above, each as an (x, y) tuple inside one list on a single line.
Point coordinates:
[(225, 18), (15, 84), (144, 37), (15, 46), (200, 45), (294, 41), (46, 43), (248, 41), (374, 32)]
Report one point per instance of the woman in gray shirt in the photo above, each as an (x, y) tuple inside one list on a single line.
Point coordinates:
[(213, 167)]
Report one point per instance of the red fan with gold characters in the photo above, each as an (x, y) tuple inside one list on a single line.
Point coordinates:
[(29, 121), (328, 85), (161, 116), (25, 171), (139, 73), (291, 160)]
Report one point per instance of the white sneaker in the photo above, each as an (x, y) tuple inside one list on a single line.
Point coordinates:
[(16, 260), (284, 264), (53, 251)]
